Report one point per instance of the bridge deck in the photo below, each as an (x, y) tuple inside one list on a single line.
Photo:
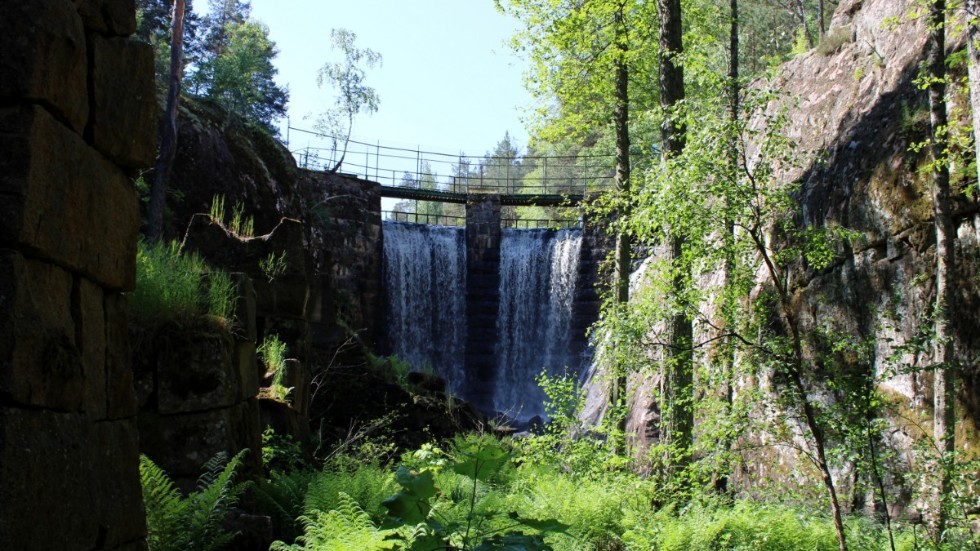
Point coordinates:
[(513, 200)]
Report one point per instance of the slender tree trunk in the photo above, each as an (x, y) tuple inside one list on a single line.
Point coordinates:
[(624, 245), (728, 361), (168, 138), (819, 454), (943, 395), (821, 26), (678, 354)]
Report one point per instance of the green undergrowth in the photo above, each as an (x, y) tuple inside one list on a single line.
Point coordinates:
[(176, 287), (476, 493)]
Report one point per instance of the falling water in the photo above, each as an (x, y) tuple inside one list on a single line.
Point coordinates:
[(425, 278), (538, 272)]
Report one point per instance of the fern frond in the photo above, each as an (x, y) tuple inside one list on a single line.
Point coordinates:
[(217, 495), (341, 529), (165, 507), (282, 497)]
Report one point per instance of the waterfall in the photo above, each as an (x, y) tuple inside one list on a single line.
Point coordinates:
[(425, 279), (538, 273)]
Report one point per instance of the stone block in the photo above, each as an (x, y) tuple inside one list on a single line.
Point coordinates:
[(44, 58), (284, 296), (194, 372), (111, 17), (65, 202), (123, 118), (121, 397), (67, 483), (90, 331), (297, 377), (248, 369), (181, 444), (244, 324), (40, 364)]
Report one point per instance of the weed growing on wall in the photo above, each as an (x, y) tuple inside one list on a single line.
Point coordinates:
[(272, 352)]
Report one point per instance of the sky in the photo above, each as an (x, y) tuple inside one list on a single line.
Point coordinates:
[(448, 81)]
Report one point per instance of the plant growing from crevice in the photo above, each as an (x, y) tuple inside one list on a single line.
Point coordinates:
[(272, 352), (239, 224), (273, 265)]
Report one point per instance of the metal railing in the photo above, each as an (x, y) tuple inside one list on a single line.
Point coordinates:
[(458, 173), (423, 218), (555, 224)]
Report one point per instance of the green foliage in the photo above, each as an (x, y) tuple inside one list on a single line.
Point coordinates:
[(177, 523), (345, 527), (274, 265), (567, 443), (747, 525), (282, 496), (272, 352), (365, 481), (347, 79), (171, 286), (280, 452), (239, 224)]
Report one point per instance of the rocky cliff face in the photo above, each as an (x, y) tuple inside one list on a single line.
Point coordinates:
[(859, 114), (854, 112)]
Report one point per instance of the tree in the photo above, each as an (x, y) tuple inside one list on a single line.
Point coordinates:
[(153, 25), (678, 352), (943, 374), (242, 75), (353, 96), (168, 139)]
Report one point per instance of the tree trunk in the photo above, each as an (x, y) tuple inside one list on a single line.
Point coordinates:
[(168, 138), (624, 246), (821, 26), (943, 396), (673, 136), (728, 357)]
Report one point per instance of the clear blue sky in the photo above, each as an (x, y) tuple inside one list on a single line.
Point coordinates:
[(448, 81)]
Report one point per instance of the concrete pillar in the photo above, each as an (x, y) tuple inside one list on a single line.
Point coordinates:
[(482, 297)]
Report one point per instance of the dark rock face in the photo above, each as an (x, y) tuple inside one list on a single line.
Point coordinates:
[(69, 459), (218, 154)]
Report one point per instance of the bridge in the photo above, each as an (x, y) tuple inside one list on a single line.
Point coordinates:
[(417, 175)]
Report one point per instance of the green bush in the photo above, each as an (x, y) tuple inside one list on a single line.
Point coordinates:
[(171, 286)]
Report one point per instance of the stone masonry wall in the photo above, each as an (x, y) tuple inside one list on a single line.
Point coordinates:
[(351, 290), (76, 121), (483, 236)]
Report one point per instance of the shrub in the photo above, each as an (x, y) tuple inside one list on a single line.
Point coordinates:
[(170, 287)]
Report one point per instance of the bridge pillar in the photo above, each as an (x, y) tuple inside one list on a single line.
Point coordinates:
[(482, 297)]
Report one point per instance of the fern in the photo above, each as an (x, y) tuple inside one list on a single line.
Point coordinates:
[(346, 527), (282, 497), (165, 507), (178, 523)]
